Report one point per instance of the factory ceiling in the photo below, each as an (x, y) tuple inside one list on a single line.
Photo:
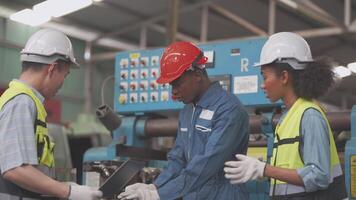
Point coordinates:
[(328, 25)]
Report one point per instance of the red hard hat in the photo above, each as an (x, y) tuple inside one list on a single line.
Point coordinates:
[(178, 58)]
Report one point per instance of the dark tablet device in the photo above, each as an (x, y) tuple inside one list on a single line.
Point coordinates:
[(117, 182)]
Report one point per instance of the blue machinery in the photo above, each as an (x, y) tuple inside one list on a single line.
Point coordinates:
[(149, 111), (350, 158)]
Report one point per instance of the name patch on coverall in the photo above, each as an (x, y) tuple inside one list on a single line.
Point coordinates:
[(206, 114)]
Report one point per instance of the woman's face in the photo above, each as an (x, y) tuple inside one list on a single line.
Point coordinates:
[(273, 83)]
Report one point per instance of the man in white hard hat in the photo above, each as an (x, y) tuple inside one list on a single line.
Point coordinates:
[(26, 150)]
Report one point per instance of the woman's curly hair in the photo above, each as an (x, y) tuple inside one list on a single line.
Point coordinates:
[(313, 81)]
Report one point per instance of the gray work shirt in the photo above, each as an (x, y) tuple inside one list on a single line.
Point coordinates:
[(17, 136), (315, 150)]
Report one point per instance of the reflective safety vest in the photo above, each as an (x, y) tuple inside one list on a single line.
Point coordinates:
[(286, 148), (45, 146)]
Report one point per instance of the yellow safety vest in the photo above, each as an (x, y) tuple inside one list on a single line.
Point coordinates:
[(286, 147), (45, 146)]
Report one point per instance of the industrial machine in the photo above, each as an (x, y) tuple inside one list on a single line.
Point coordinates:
[(147, 111), (350, 158)]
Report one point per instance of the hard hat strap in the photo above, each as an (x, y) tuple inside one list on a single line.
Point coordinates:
[(294, 63), (195, 62)]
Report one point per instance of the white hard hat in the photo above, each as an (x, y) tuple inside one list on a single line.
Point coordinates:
[(47, 46), (286, 47)]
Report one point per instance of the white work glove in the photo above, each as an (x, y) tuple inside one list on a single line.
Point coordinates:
[(82, 192), (70, 183), (139, 194), (244, 169), (139, 186)]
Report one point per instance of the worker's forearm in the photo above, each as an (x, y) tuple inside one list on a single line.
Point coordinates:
[(34, 180), (286, 175)]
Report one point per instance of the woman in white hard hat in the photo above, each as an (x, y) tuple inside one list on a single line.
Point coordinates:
[(305, 163)]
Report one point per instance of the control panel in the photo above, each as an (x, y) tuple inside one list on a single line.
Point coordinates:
[(230, 63)]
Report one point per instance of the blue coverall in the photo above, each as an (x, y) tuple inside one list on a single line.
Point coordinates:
[(209, 134)]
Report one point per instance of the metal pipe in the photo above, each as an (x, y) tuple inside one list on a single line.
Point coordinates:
[(108, 118), (168, 127), (161, 127), (339, 121)]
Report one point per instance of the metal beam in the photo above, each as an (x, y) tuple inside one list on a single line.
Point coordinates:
[(311, 10), (179, 35), (10, 44), (353, 23), (309, 33), (237, 19), (143, 37), (320, 32), (89, 35), (135, 25), (347, 11), (271, 17), (204, 24), (321, 51), (77, 31), (103, 56), (172, 22), (153, 26), (317, 11)]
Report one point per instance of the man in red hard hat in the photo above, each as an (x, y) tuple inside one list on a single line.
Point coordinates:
[(213, 127)]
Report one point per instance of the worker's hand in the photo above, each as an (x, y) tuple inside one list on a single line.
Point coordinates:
[(140, 194), (139, 186), (244, 169), (82, 192)]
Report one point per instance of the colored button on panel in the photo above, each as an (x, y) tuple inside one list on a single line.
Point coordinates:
[(122, 99)]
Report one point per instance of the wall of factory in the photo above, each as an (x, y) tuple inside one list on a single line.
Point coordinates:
[(72, 93)]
